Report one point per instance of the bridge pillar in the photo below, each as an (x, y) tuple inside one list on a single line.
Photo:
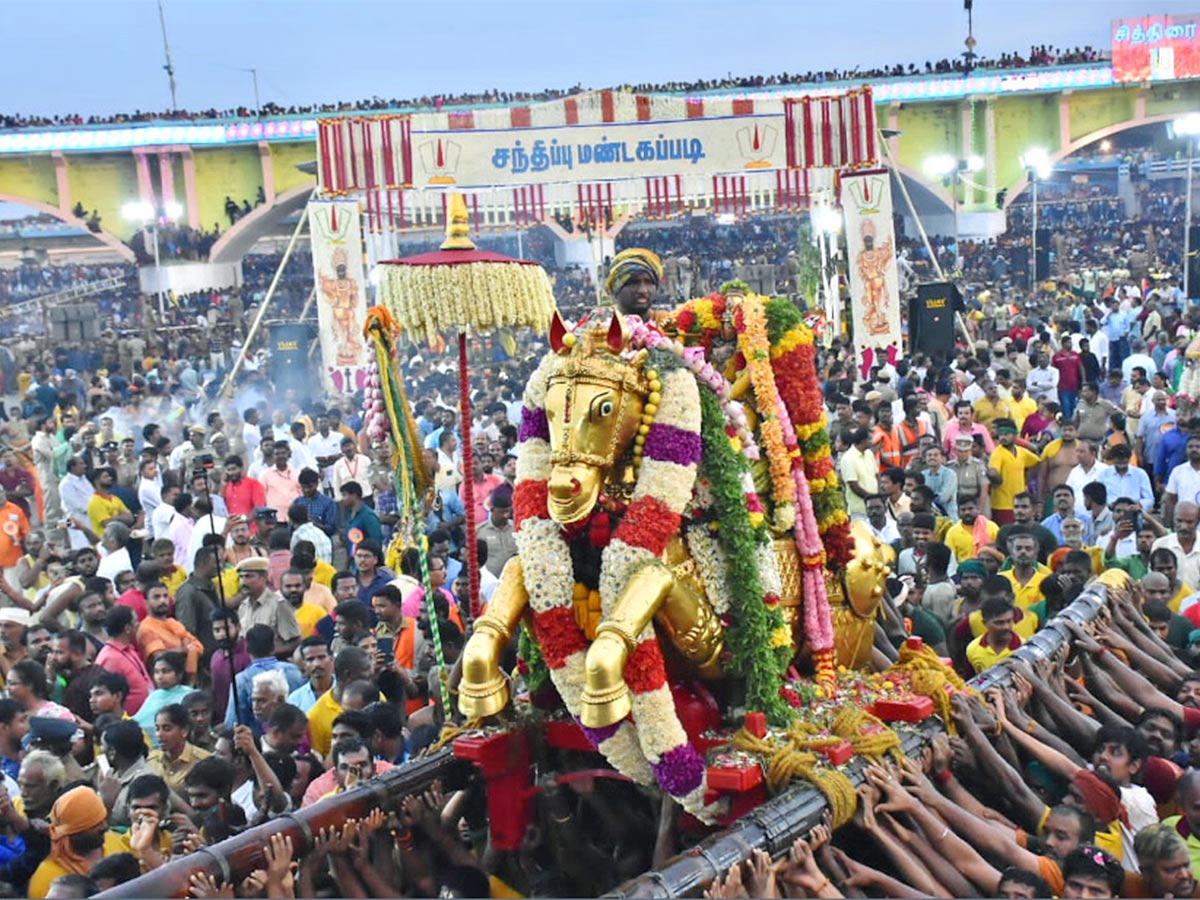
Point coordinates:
[(191, 200), (62, 181), (1064, 121)]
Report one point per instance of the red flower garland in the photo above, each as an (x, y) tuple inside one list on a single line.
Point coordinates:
[(648, 523), (645, 669), (531, 500), (558, 635)]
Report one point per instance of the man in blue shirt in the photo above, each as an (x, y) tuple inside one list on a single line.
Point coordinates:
[(1115, 325), (361, 522), (322, 511), (260, 642), (1064, 508), (1123, 480)]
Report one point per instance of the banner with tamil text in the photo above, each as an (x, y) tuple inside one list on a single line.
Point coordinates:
[(590, 153), (866, 199), (341, 286)]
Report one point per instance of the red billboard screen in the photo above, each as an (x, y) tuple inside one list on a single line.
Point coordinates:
[(1156, 48)]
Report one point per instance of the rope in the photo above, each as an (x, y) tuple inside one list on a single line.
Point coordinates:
[(791, 757), (450, 732), (929, 677)]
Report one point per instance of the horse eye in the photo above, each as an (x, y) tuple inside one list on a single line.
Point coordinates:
[(606, 408)]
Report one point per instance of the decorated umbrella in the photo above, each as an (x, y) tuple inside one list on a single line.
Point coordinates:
[(459, 289)]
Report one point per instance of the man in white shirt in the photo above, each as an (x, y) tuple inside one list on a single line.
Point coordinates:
[(75, 491), (1088, 469), (1183, 484), (326, 447), (265, 460), (1183, 544), (352, 466), (1042, 380), (302, 457), (150, 491), (251, 436)]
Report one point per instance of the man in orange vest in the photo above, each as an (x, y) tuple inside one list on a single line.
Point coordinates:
[(909, 431), (885, 441)]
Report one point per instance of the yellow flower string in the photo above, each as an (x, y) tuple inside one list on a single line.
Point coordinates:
[(755, 347)]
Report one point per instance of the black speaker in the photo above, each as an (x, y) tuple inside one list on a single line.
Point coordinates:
[(931, 318), (289, 358), (1043, 254), (1193, 262)]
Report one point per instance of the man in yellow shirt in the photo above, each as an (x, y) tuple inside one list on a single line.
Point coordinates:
[(971, 533), (1021, 406), (1026, 574), (1006, 470), (291, 585), (999, 640), (351, 664), (104, 507), (991, 406)]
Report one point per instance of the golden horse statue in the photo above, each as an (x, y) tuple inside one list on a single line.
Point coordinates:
[(597, 399)]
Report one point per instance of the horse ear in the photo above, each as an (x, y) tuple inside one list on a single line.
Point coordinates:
[(618, 337), (558, 331)]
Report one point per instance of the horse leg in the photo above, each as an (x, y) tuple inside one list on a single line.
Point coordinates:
[(606, 698), (693, 628), (483, 690)]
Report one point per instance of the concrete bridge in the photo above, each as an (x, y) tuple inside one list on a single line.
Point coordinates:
[(994, 115)]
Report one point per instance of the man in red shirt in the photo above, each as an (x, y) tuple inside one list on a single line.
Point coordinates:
[(243, 494), (1070, 377)]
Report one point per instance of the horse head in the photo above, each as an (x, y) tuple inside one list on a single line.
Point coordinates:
[(594, 408)]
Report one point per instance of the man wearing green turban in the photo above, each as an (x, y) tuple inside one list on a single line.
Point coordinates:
[(633, 280)]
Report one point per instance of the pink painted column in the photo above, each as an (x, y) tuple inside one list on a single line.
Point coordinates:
[(166, 175), (268, 171), (145, 187), (62, 182), (190, 199), (1139, 103)]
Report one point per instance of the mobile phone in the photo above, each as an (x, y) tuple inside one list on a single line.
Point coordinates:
[(1134, 516), (385, 645)]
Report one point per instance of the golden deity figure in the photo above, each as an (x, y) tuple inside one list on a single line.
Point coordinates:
[(341, 293)]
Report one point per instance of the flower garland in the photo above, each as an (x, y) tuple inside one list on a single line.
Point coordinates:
[(471, 295), (751, 323), (754, 616), (793, 359)]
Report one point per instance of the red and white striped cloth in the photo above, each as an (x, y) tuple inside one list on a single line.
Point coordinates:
[(831, 132), (364, 153)]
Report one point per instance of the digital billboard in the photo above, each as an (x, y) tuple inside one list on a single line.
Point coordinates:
[(1156, 48)]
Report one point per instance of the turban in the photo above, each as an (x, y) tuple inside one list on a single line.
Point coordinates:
[(1099, 799), (972, 567), (75, 812), (630, 262)]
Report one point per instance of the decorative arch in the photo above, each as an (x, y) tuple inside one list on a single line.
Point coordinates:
[(1079, 143), (237, 241), (113, 243)]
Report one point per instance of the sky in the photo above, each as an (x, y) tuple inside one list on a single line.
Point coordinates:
[(104, 56)]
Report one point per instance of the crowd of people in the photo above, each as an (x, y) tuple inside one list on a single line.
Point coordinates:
[(1037, 56), (205, 623)]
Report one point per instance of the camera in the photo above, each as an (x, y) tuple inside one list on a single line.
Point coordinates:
[(202, 462), (267, 515)]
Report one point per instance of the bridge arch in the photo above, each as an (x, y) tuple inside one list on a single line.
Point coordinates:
[(237, 241), (1090, 138), (113, 243)]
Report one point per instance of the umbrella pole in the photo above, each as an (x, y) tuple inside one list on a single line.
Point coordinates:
[(464, 408)]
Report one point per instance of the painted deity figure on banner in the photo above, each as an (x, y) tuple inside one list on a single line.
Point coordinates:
[(341, 293), (872, 264)]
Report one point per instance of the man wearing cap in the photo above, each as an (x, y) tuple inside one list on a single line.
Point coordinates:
[(633, 280), (1007, 469), (13, 622), (257, 604), (1124, 480), (181, 457)]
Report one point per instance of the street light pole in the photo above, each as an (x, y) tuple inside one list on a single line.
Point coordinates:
[(1033, 243)]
